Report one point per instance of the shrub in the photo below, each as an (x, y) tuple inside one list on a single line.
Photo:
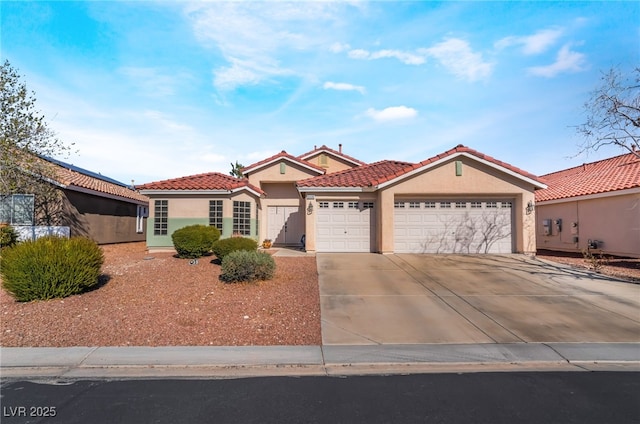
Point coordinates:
[(225, 246), (194, 241), (8, 237), (50, 267), (249, 266)]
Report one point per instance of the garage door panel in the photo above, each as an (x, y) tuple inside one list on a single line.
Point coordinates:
[(486, 228), (344, 229)]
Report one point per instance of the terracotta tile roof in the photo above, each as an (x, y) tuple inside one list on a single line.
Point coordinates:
[(324, 148), (207, 181), (69, 177), (361, 176), (384, 171), (281, 155), (613, 174)]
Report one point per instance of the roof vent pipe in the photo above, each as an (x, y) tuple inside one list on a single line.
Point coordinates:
[(340, 147)]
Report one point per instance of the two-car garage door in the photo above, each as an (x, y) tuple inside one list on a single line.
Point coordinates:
[(453, 226)]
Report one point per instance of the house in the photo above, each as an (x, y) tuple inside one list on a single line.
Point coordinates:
[(595, 205), (459, 201), (79, 203)]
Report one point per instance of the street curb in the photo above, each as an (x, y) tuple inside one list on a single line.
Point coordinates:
[(330, 360)]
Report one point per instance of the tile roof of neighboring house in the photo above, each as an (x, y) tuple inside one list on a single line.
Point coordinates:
[(204, 182), (281, 155), (384, 171), (613, 174), (72, 177), (324, 148), (360, 176)]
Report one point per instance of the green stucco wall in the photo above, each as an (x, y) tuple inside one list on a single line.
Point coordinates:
[(173, 224)]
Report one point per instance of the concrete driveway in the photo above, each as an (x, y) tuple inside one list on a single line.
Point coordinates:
[(406, 299)]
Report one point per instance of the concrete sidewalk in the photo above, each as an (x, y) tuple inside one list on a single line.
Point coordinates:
[(336, 360)]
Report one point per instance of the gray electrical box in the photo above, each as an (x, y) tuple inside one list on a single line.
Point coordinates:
[(546, 227)]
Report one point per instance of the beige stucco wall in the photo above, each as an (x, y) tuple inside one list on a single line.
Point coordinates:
[(613, 220), (477, 180), (271, 173)]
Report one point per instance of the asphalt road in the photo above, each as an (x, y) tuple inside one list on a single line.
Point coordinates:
[(536, 397)]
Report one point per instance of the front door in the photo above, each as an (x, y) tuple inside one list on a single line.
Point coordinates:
[(285, 224)]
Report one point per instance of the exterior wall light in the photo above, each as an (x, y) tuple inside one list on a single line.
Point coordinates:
[(310, 208), (530, 207)]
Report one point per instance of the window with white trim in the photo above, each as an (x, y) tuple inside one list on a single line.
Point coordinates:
[(242, 218), (445, 205), (492, 205), (506, 205), (414, 205), (161, 217), (323, 205), (398, 205), (367, 205), (338, 205), (461, 205), (429, 205), (476, 205), (215, 214), (353, 205)]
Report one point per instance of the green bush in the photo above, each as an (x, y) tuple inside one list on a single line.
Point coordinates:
[(8, 237), (225, 246), (249, 266), (50, 267), (194, 241)]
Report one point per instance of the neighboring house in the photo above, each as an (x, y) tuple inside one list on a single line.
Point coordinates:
[(86, 204), (459, 201), (595, 205)]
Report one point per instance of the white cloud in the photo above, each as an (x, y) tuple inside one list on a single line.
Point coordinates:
[(343, 86), (153, 82), (532, 44), (566, 61), (393, 113), (339, 47), (457, 56), (404, 57)]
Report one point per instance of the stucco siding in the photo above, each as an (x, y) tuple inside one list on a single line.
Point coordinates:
[(330, 163), (614, 221), (272, 173)]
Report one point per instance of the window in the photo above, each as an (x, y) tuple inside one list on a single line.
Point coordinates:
[(461, 205), (17, 209), (161, 215), (367, 205), (242, 218), (429, 205), (414, 205), (338, 205), (492, 205), (215, 214), (398, 205), (353, 205), (323, 205), (476, 205), (506, 205), (445, 205)]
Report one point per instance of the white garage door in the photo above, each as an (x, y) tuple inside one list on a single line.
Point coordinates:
[(456, 226), (344, 226)]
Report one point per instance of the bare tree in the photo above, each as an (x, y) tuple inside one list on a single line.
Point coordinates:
[(613, 113), (24, 139)]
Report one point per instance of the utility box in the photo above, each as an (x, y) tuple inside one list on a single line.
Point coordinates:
[(546, 227)]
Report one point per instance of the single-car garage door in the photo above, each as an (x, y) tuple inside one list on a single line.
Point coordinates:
[(344, 226), (453, 226)]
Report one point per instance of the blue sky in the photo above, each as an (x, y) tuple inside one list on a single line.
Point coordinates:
[(153, 90)]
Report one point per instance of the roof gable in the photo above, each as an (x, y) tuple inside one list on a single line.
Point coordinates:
[(277, 158), (207, 182), (332, 152), (384, 173), (604, 176)]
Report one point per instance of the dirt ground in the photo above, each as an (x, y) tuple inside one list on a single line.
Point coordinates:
[(159, 300), (626, 268)]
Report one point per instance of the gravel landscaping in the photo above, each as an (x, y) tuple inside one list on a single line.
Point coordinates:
[(159, 300), (625, 268)]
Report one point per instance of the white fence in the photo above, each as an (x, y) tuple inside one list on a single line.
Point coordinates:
[(32, 232)]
